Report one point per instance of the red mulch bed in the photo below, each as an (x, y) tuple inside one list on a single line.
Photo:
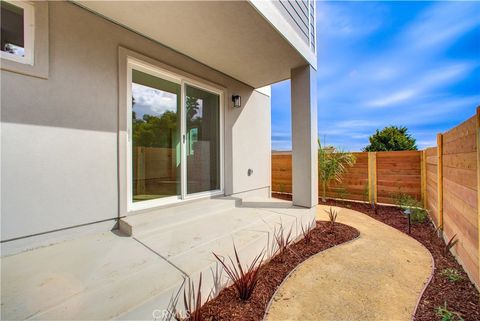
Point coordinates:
[(227, 306), (461, 296)]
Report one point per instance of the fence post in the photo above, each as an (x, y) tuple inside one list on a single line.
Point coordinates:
[(372, 177), (424, 177), (478, 186), (440, 179)]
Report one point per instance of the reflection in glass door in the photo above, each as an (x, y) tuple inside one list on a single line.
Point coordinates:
[(203, 140), (174, 139), (155, 137)]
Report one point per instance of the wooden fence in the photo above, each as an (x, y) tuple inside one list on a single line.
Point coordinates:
[(445, 178), (375, 177), (453, 193)]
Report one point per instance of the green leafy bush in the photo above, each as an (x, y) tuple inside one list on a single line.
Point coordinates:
[(417, 213), (452, 275), (447, 315)]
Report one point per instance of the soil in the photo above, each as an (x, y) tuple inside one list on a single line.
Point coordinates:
[(460, 296), (228, 306)]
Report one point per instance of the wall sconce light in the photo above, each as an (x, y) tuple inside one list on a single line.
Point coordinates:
[(237, 101)]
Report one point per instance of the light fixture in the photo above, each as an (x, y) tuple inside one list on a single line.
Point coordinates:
[(237, 101)]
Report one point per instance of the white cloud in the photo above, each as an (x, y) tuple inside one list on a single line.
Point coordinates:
[(441, 25), (392, 98), (431, 80), (149, 99)]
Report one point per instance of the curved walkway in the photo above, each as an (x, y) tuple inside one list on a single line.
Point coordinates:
[(378, 276)]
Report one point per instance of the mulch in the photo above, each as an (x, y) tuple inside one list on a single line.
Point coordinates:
[(461, 296), (228, 306)]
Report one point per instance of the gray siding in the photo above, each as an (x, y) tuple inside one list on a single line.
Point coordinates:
[(300, 14)]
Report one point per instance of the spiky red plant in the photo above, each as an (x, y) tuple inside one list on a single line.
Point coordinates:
[(244, 279), (282, 240), (451, 243), (192, 300), (307, 231)]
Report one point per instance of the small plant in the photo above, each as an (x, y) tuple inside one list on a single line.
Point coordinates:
[(447, 315), (282, 240), (307, 231), (244, 279), (171, 312), (192, 302), (417, 213), (452, 275), (281, 188), (450, 244), (217, 277), (332, 216)]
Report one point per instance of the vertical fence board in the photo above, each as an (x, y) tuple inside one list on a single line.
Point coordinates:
[(440, 179), (431, 161), (477, 144), (424, 178)]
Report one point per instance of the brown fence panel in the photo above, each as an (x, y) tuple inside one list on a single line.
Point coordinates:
[(432, 161), (460, 204), (398, 172), (354, 185), (282, 172)]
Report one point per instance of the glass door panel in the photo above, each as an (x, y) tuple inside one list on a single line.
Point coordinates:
[(202, 140), (155, 137)]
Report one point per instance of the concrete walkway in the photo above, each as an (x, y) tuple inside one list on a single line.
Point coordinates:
[(378, 276), (111, 276)]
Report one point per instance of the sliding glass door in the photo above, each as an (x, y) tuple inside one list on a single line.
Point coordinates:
[(203, 140), (174, 141), (155, 137)]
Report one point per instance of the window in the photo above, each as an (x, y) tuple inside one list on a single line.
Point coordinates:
[(17, 31)]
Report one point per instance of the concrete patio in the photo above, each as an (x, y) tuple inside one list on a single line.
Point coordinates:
[(111, 275)]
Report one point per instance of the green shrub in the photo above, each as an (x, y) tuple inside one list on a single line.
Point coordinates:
[(417, 213), (447, 315), (452, 275)]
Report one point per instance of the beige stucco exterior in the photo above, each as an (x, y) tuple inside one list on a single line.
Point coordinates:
[(60, 133)]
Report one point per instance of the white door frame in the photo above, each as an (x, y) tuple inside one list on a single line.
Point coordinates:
[(183, 81)]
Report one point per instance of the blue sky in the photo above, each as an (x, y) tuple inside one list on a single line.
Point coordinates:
[(415, 64)]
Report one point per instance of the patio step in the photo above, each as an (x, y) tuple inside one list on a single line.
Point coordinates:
[(165, 217), (189, 247)]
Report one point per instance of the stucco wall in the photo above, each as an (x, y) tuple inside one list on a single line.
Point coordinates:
[(59, 135)]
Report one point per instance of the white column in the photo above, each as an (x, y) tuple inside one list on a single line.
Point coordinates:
[(304, 137)]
